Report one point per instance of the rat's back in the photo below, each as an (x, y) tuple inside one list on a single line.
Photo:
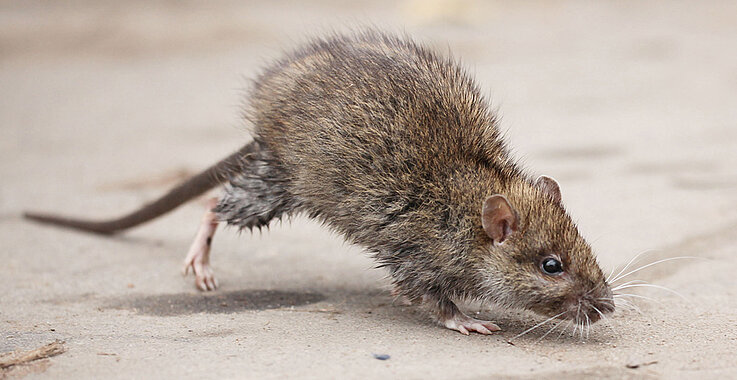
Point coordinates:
[(393, 146), (368, 126)]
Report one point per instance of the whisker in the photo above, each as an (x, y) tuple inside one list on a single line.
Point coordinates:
[(588, 325), (585, 330), (564, 329), (610, 274), (578, 311), (580, 332), (585, 327), (619, 295), (606, 300), (656, 287), (628, 283), (549, 331), (605, 319), (537, 325), (629, 304), (629, 263), (653, 263)]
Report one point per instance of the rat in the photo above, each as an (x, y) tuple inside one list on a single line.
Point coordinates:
[(392, 145)]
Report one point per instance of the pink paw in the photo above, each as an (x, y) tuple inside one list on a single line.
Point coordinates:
[(463, 324), (198, 257)]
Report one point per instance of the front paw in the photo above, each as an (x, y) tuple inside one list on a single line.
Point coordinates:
[(463, 324)]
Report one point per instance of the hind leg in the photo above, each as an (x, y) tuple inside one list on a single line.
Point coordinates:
[(257, 195), (198, 257), (254, 197)]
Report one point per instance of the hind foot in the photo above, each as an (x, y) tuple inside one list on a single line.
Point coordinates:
[(198, 257)]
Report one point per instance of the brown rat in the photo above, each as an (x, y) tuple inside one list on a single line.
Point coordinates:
[(393, 146)]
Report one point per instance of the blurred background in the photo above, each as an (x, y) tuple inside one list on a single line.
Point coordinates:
[(639, 96), (104, 105)]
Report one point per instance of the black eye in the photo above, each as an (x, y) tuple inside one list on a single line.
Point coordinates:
[(552, 266)]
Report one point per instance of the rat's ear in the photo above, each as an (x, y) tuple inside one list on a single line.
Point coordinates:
[(549, 186), (498, 218)]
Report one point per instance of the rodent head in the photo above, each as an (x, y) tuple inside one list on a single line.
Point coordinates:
[(533, 257)]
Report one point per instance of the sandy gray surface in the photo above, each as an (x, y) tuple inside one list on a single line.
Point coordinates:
[(632, 106)]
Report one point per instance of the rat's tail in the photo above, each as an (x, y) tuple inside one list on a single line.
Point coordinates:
[(191, 188)]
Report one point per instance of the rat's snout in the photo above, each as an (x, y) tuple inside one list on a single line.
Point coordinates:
[(591, 306), (598, 304)]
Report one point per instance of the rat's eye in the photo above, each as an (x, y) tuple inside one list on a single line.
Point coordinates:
[(551, 266)]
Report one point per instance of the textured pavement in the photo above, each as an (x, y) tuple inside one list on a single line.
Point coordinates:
[(632, 106)]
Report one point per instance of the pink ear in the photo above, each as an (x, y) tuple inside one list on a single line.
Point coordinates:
[(549, 186), (498, 218)]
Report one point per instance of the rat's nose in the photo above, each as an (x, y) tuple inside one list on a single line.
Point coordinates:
[(598, 304), (599, 307), (606, 306)]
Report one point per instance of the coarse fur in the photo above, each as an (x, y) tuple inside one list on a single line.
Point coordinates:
[(393, 146)]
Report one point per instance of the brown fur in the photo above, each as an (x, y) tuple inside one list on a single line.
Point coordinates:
[(393, 146)]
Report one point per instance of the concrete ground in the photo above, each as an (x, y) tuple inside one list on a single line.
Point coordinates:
[(632, 106)]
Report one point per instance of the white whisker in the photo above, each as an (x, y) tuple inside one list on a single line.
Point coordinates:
[(651, 264), (549, 331), (580, 332), (564, 329), (628, 264), (614, 289), (605, 319), (629, 304), (578, 311), (606, 300), (537, 325), (656, 287), (619, 295), (610, 274)]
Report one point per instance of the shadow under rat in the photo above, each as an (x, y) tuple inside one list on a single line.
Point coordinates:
[(215, 303)]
